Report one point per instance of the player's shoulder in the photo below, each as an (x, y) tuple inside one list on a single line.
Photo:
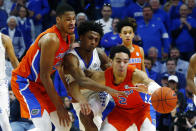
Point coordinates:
[(6, 40), (49, 37), (193, 59)]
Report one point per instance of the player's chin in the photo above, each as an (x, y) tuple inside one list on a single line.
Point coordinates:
[(70, 31)]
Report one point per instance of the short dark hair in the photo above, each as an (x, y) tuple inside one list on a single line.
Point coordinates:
[(86, 26), (118, 49), (150, 59), (127, 22), (174, 48), (148, 6), (171, 59), (62, 8)]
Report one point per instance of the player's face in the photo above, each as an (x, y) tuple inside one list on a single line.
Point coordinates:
[(67, 22), (90, 40), (127, 34), (120, 64)]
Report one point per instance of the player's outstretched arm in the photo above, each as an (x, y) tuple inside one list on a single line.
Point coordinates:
[(191, 74), (74, 91), (71, 66), (49, 44), (10, 50), (143, 83)]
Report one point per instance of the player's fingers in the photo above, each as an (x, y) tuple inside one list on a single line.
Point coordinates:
[(66, 121), (88, 109), (136, 88), (82, 109), (59, 120)]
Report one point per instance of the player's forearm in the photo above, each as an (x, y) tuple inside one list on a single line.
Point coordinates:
[(191, 84), (14, 63), (48, 85), (74, 91), (92, 85)]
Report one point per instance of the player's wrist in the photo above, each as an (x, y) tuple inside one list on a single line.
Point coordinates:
[(153, 86)]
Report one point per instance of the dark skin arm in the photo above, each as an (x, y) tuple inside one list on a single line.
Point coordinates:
[(49, 44), (105, 60), (71, 66), (7, 42), (191, 73)]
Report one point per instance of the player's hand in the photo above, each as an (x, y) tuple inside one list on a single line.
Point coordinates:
[(140, 88), (63, 116), (85, 107)]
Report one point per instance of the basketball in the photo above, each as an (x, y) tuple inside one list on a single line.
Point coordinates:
[(164, 100)]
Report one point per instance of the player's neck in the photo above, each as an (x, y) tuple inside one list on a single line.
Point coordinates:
[(129, 46), (86, 55), (119, 79), (63, 34)]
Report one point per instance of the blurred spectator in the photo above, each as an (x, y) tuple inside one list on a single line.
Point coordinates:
[(18, 123), (191, 8), (167, 6), (153, 33), (119, 7), (89, 9), (135, 10), (185, 114), (16, 7), (76, 4), (72, 118), (111, 39), (16, 35), (174, 9), (3, 15), (148, 65), (183, 32), (7, 4), (153, 54), (171, 70), (182, 66), (49, 19), (164, 80), (80, 17), (68, 105), (26, 26), (38, 8), (106, 20), (159, 13)]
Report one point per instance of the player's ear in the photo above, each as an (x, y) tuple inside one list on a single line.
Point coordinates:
[(58, 19), (120, 35)]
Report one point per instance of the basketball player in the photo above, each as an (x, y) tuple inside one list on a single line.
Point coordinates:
[(91, 58), (130, 113), (191, 75), (5, 48), (126, 29), (31, 80)]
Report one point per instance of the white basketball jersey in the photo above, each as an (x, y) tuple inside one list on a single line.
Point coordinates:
[(94, 64), (2, 59)]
